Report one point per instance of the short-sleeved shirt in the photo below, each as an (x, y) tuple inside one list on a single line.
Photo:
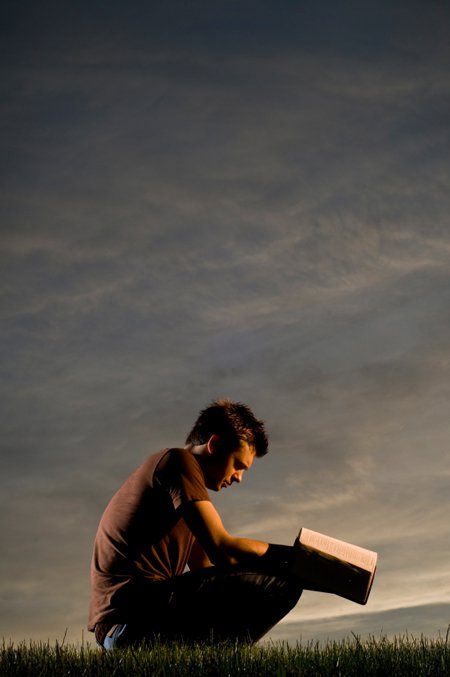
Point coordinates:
[(142, 534)]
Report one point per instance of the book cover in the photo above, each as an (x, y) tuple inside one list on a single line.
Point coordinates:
[(334, 565)]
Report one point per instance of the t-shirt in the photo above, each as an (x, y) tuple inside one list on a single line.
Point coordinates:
[(142, 534)]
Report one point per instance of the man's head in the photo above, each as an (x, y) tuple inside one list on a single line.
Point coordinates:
[(227, 437), (233, 423)]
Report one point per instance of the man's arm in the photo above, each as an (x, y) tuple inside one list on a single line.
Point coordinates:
[(221, 547)]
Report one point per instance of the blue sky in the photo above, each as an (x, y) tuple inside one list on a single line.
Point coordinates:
[(227, 199)]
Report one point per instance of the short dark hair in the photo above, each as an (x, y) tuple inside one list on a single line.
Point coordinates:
[(234, 422)]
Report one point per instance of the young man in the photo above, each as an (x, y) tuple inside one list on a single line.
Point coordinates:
[(162, 520)]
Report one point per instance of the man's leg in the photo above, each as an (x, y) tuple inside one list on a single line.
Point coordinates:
[(213, 604), (232, 604)]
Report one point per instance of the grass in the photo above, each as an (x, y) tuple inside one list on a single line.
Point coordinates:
[(403, 656)]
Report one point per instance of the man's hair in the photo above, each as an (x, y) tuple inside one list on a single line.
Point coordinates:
[(234, 422)]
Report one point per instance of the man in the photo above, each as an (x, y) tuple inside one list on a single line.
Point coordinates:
[(162, 520)]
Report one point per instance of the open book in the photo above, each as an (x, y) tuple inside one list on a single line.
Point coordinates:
[(334, 566)]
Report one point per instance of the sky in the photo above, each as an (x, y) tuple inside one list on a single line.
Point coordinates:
[(228, 199)]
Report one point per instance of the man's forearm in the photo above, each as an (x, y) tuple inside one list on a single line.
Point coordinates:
[(242, 550)]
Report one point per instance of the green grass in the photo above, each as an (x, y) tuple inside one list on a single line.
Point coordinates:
[(404, 656)]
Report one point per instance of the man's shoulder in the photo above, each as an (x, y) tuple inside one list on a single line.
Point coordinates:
[(180, 472), (177, 458)]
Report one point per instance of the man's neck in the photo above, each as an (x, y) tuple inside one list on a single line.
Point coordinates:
[(197, 449)]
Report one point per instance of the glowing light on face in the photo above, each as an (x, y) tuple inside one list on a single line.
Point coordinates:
[(224, 470)]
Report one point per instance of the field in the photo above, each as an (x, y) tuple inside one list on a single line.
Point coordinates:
[(402, 656)]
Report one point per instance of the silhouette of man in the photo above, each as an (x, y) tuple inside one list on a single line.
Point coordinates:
[(163, 563)]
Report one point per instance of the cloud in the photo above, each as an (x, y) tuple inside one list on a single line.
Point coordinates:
[(400, 623), (208, 204)]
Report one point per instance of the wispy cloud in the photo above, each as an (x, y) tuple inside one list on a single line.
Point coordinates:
[(198, 205)]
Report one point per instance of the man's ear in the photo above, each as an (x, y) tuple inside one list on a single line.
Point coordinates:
[(214, 444)]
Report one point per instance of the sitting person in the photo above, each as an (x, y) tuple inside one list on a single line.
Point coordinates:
[(161, 521)]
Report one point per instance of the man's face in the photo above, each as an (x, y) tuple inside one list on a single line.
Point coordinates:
[(223, 469)]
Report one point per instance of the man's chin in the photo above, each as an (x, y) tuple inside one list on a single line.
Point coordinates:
[(214, 487)]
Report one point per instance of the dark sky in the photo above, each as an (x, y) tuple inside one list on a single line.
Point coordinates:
[(241, 199)]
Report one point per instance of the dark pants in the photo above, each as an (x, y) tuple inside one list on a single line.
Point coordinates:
[(213, 605)]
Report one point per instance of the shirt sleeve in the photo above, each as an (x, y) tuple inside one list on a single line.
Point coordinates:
[(180, 474)]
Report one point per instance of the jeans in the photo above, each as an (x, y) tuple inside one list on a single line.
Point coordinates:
[(213, 604)]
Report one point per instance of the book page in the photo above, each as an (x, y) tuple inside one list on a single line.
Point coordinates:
[(360, 557)]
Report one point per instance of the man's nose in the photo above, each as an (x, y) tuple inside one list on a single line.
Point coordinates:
[(237, 476)]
